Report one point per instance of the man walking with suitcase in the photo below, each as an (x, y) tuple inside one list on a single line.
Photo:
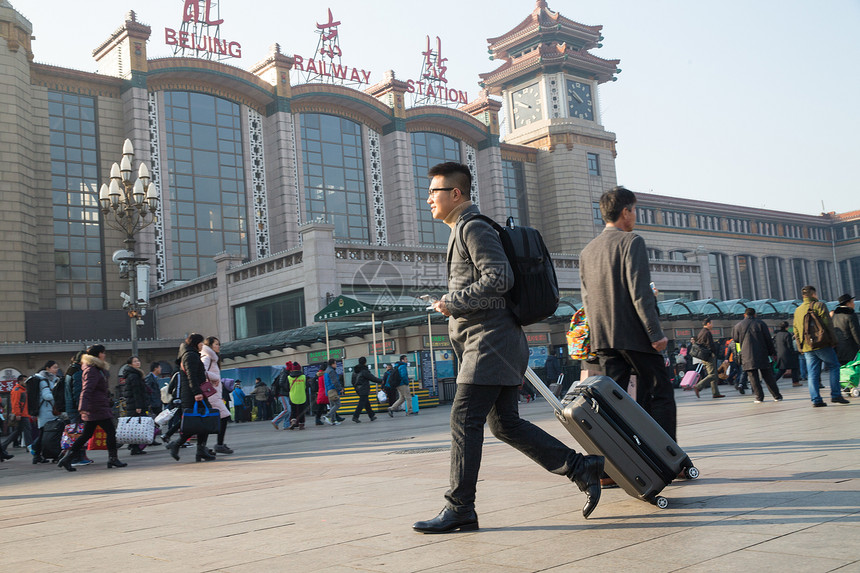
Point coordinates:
[(493, 355), (622, 309)]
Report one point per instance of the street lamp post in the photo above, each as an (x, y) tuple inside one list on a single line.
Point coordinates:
[(129, 206)]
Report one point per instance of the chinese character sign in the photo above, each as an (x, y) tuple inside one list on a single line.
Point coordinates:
[(328, 37), (434, 63), (191, 12)]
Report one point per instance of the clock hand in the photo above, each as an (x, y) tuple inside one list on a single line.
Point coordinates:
[(522, 104), (576, 95)]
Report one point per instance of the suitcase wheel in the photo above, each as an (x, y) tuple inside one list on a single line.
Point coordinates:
[(691, 472), (661, 502)]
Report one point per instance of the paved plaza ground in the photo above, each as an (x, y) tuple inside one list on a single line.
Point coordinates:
[(779, 491)]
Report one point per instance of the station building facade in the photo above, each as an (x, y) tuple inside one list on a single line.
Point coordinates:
[(277, 198)]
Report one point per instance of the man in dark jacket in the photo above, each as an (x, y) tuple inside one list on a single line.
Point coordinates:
[(786, 355), (706, 348), (362, 377), (847, 330), (756, 348), (492, 352), (153, 389), (622, 308)]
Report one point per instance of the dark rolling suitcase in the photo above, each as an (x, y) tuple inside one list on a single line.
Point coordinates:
[(605, 420), (52, 434)]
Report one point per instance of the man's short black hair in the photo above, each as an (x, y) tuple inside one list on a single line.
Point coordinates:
[(614, 201), (808, 290), (332, 361), (706, 322), (457, 173), (749, 312), (154, 365), (402, 356)]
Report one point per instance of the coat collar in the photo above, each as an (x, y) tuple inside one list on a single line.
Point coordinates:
[(456, 212), (94, 361)]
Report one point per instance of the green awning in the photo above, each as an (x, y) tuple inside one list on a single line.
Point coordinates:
[(359, 307)]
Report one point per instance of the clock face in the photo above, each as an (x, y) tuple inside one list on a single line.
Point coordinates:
[(526, 105), (579, 100)]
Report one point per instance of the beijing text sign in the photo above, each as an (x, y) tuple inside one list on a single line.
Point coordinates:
[(195, 35)]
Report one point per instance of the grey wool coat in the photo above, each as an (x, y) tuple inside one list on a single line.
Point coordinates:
[(756, 344), (489, 343), (616, 292)]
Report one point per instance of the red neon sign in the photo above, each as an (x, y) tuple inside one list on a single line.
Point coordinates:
[(200, 42), (191, 13), (434, 62)]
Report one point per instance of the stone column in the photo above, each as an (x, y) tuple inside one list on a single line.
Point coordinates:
[(223, 316), (397, 176), (319, 266)]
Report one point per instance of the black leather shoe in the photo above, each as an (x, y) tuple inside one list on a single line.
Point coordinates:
[(447, 521), (587, 479), (839, 400), (65, 461), (173, 448)]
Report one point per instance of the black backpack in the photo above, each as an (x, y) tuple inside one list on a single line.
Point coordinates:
[(59, 393), (534, 295), (34, 395), (394, 378)]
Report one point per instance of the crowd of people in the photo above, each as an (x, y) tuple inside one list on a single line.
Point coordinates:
[(58, 418)]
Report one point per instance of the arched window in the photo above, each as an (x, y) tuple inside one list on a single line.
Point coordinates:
[(428, 149), (333, 157), (206, 177)]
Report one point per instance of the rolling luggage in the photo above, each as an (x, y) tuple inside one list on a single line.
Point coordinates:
[(691, 378), (52, 436), (605, 420)]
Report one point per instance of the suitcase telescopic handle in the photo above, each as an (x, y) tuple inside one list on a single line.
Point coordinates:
[(544, 390)]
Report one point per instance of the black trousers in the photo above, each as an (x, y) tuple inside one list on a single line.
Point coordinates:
[(654, 390), (363, 404), (473, 407), (795, 375), (767, 374), (89, 430), (298, 411)]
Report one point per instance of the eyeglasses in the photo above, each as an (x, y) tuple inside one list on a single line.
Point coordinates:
[(434, 190)]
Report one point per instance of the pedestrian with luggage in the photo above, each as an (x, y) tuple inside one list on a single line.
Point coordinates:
[(757, 353), (816, 339), (95, 408), (193, 374), (622, 309), (492, 352), (401, 379), (46, 379), (705, 353), (135, 393)]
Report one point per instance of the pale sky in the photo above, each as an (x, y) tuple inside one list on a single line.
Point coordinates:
[(745, 102)]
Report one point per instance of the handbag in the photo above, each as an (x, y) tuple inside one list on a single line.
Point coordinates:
[(382, 397), (700, 352), (195, 421), (71, 433), (135, 430), (163, 418), (207, 389), (98, 441)]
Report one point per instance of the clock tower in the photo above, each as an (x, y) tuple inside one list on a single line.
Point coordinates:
[(548, 82)]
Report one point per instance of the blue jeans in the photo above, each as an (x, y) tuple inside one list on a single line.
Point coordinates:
[(803, 373), (284, 414), (814, 359)]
